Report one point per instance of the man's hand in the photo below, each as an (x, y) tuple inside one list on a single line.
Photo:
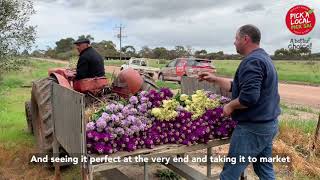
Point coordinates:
[(227, 110), (206, 76)]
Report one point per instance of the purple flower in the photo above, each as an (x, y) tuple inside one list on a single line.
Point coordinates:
[(108, 149), (133, 100), (142, 108), (101, 123), (111, 108), (134, 128), (144, 99), (213, 96), (107, 137), (114, 118), (99, 147), (119, 131), (133, 111), (224, 100), (125, 123), (143, 93), (131, 119), (91, 134), (98, 137), (105, 116), (131, 147), (90, 126), (89, 144), (120, 116), (167, 93), (149, 104), (120, 107)]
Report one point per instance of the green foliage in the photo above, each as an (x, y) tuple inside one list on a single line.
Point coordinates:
[(160, 53), (283, 53), (12, 64), (166, 174), (15, 33), (97, 114), (67, 55), (106, 48), (129, 51), (64, 45), (86, 37), (201, 53)]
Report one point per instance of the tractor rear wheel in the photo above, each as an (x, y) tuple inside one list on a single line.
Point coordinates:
[(41, 108), (29, 116)]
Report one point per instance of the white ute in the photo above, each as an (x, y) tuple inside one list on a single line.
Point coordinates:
[(140, 64)]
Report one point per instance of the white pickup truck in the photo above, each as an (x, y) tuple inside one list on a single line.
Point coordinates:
[(140, 64)]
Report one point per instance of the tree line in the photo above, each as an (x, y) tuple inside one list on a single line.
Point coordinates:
[(64, 49)]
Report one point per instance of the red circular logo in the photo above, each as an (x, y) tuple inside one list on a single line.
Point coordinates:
[(300, 20)]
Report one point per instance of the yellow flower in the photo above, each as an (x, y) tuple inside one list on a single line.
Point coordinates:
[(188, 102), (156, 111), (199, 92), (184, 97)]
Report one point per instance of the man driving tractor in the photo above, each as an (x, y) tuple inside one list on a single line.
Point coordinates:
[(90, 63)]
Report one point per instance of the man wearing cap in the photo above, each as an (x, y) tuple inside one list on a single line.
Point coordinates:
[(90, 63)]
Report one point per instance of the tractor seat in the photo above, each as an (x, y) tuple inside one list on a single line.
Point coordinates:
[(90, 85)]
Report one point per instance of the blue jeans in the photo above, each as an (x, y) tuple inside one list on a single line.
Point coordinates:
[(251, 140)]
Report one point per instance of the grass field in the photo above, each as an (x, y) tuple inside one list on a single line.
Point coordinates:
[(295, 121), (305, 72), (288, 71), (14, 91)]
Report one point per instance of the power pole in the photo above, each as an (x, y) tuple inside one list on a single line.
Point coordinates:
[(120, 36)]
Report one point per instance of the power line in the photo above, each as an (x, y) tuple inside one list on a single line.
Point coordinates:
[(120, 36)]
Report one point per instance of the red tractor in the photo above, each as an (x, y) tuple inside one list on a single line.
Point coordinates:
[(39, 109)]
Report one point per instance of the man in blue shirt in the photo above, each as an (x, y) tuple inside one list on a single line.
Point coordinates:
[(254, 105)]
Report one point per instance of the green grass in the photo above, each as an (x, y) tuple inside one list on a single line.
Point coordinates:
[(306, 126), (289, 71), (158, 63), (226, 67), (114, 62), (171, 85), (12, 112)]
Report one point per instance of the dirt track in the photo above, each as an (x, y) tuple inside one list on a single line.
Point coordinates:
[(290, 93), (300, 94)]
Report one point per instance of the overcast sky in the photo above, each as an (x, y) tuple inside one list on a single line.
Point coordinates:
[(201, 24)]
